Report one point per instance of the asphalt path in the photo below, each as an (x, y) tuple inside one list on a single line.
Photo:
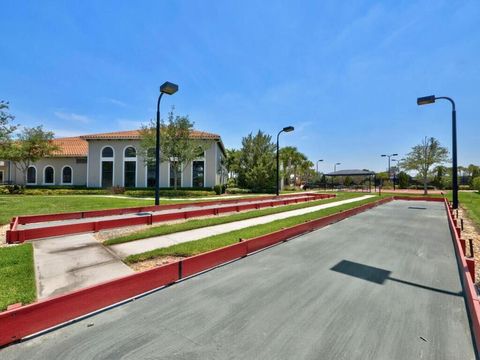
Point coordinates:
[(197, 206), (380, 285)]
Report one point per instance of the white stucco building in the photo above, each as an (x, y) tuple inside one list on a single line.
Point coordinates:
[(113, 159)]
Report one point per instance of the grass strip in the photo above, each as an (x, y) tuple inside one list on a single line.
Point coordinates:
[(471, 201), (214, 242), (17, 275), (200, 223)]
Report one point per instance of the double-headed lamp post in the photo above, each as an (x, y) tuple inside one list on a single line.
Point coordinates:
[(169, 89), (430, 100), (389, 156), (285, 129), (317, 165)]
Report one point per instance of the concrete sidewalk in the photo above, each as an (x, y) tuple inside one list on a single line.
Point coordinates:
[(140, 246), (73, 262)]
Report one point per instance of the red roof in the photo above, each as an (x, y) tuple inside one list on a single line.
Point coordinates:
[(135, 134), (78, 146), (70, 147)]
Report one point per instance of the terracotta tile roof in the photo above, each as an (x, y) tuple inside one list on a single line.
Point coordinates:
[(78, 146), (135, 134), (70, 147)]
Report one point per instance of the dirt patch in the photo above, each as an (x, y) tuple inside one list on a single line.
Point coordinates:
[(3, 234), (471, 231), (153, 263)]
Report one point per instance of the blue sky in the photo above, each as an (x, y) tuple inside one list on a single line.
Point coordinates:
[(346, 74)]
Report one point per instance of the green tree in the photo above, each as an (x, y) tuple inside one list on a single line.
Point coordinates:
[(439, 179), (257, 163), (232, 164), (423, 156), (6, 127), (176, 145), (403, 180), (30, 145), (293, 163)]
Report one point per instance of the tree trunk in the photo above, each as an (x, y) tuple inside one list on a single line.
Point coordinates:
[(425, 190)]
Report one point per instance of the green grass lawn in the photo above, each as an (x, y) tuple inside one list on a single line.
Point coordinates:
[(17, 276), (471, 201), (195, 224), (14, 205), (214, 242)]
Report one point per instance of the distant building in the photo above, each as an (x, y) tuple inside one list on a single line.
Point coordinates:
[(113, 159)]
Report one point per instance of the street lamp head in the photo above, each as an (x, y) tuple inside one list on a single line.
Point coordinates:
[(338, 164), (288, 128), (319, 160), (168, 88), (394, 154), (426, 100), (383, 155)]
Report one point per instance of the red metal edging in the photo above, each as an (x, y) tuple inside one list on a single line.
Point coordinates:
[(466, 276), (15, 235), (29, 319)]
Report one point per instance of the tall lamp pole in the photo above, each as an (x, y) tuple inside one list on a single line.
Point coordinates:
[(317, 165), (335, 166), (390, 156), (430, 100), (395, 173), (285, 129), (169, 89)]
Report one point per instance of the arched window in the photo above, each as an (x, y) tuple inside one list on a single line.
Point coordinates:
[(130, 152), (31, 175), (107, 152), (48, 175), (130, 167), (67, 175), (106, 171)]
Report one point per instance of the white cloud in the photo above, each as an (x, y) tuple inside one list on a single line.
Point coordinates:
[(73, 117), (115, 102), (130, 124)]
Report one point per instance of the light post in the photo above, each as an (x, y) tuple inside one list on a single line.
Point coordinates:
[(285, 129), (395, 173), (389, 156), (430, 100), (335, 166), (169, 89), (317, 165)]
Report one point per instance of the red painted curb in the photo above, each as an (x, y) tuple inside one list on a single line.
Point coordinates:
[(466, 277), (30, 319), (15, 235)]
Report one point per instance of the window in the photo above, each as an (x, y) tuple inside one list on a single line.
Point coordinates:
[(178, 179), (107, 174), (67, 175), (130, 167), (48, 175), (198, 174), (107, 152), (107, 167), (130, 152), (31, 175), (151, 168), (129, 173)]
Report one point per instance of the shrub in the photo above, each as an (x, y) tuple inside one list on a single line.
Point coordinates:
[(238, 191), (464, 187), (476, 183), (217, 189), (11, 189), (117, 190)]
